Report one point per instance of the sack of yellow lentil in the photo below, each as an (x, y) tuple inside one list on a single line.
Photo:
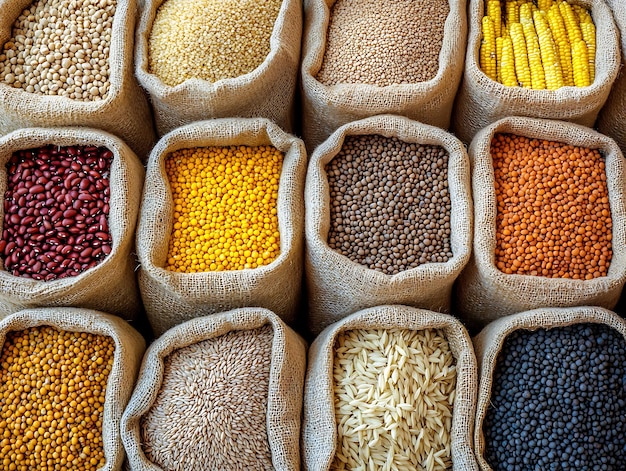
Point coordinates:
[(359, 60), (389, 218), (82, 364), (482, 101), (236, 239), (549, 220), (71, 200)]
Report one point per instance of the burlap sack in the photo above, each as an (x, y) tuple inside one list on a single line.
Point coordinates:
[(319, 429), (326, 108), (268, 91), (129, 348), (482, 101), (484, 293), (170, 297), (491, 340), (338, 286), (124, 112), (110, 286)]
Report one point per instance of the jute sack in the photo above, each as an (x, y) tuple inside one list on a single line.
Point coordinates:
[(484, 293), (319, 427), (124, 112), (129, 348), (111, 285), (338, 286), (170, 297), (268, 91), (284, 405), (326, 108), (490, 341), (482, 101)]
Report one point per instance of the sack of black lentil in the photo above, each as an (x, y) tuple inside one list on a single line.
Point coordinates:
[(389, 218), (551, 390), (71, 200), (482, 99), (549, 220), (359, 60), (390, 387), (69, 64)]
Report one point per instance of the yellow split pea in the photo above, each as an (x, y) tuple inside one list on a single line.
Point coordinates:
[(225, 208)]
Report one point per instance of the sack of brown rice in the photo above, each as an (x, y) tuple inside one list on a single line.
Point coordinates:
[(482, 101), (549, 220), (390, 387), (359, 61), (219, 392), (388, 220)]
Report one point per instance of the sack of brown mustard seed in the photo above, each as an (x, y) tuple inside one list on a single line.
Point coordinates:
[(419, 95), (241, 403), (71, 201), (567, 202), (323, 437), (389, 218), (481, 101)]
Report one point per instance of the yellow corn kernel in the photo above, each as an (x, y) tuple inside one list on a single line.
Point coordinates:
[(583, 14), (544, 5), (571, 22), (581, 64), (537, 74), (511, 8), (564, 49), (494, 12), (499, 42), (488, 49), (526, 12), (522, 69), (507, 67), (549, 57), (589, 36)]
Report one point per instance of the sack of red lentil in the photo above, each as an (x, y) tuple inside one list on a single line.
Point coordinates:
[(389, 218), (551, 390), (359, 61), (482, 101), (67, 83), (549, 220), (71, 200), (392, 385), (85, 363)]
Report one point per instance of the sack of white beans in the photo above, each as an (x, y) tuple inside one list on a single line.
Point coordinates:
[(389, 218), (359, 61), (219, 392), (390, 387), (71, 200)]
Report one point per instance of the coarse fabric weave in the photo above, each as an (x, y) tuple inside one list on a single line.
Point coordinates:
[(482, 101), (485, 293), (326, 108), (319, 428), (111, 285), (336, 285), (170, 297)]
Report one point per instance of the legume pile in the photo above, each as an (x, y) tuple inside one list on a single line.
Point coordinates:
[(394, 396), (558, 401), (382, 43), (389, 203), (211, 410), (55, 211), (52, 392)]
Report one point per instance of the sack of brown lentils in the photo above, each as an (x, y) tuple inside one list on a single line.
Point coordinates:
[(359, 61), (74, 354), (550, 235), (67, 83), (388, 220), (482, 101), (71, 201), (374, 361)]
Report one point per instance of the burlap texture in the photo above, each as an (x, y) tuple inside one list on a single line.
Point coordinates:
[(338, 286), (484, 293), (170, 297), (319, 428), (326, 108), (111, 285), (490, 341), (284, 405), (268, 91), (482, 101), (129, 348), (124, 112)]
